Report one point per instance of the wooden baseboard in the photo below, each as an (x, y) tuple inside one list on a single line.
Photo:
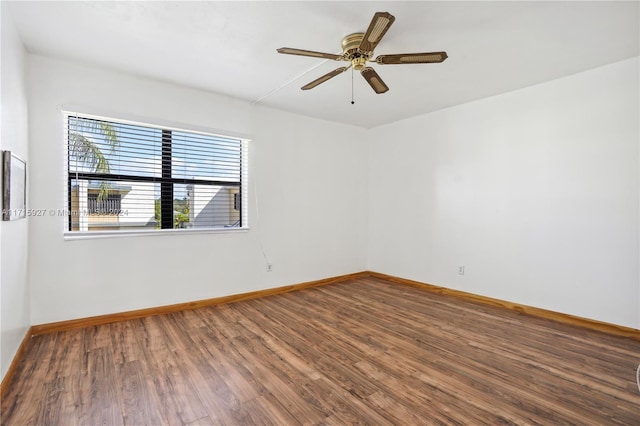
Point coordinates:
[(141, 313), (8, 377), (614, 329)]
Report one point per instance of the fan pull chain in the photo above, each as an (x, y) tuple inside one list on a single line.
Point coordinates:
[(352, 101)]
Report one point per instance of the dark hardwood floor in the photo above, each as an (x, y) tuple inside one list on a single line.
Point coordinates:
[(359, 352)]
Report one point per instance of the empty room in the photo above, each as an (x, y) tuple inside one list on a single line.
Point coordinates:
[(320, 213)]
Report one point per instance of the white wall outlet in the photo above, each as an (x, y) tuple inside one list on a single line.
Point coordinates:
[(460, 269), (269, 267)]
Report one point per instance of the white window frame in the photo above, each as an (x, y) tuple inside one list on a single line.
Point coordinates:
[(158, 124)]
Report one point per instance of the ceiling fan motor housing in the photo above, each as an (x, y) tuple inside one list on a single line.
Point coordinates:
[(351, 51)]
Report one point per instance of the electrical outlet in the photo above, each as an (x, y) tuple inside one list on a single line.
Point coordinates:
[(269, 267), (460, 269)]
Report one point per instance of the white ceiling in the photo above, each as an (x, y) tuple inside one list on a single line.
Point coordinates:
[(230, 47)]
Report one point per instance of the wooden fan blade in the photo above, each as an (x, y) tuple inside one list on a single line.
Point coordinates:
[(300, 52), (412, 58), (374, 80), (377, 28), (324, 78)]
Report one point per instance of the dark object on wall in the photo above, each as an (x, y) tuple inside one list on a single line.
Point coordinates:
[(14, 187)]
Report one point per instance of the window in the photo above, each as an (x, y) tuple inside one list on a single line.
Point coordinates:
[(132, 177)]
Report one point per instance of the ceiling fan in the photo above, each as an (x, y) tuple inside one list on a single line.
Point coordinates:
[(358, 50)]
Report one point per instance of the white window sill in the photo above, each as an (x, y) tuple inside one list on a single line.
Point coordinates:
[(90, 235)]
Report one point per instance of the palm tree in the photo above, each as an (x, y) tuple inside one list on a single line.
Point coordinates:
[(90, 154), (87, 151)]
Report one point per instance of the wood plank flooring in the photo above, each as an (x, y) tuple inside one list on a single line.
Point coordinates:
[(364, 351)]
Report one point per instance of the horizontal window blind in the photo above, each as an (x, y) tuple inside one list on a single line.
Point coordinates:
[(127, 177)]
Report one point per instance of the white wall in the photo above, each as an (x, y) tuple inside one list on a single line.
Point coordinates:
[(536, 192), (14, 295), (309, 176)]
